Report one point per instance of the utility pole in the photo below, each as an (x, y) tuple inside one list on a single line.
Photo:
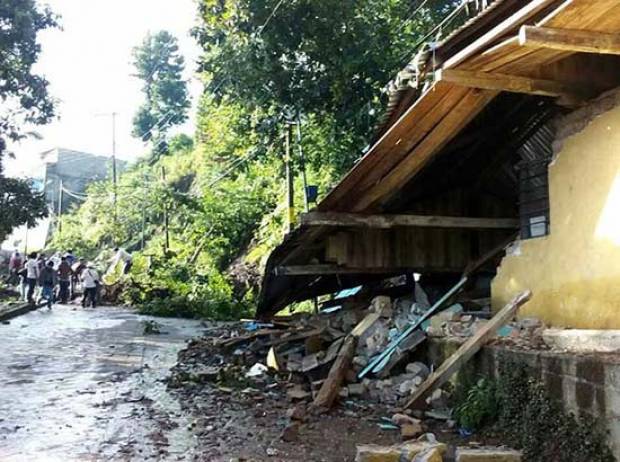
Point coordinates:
[(289, 178), (60, 194), (167, 241), (114, 177), (303, 164), (143, 212)]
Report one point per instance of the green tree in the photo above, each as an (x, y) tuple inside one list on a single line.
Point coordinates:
[(160, 66), (327, 58), (19, 205), (25, 101)]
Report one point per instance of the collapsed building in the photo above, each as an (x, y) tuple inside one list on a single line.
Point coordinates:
[(495, 170)]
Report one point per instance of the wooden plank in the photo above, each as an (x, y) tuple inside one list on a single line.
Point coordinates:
[(365, 324), (450, 126), (529, 10), (321, 269), (573, 40), (336, 219), (504, 82), (331, 386), (468, 349)]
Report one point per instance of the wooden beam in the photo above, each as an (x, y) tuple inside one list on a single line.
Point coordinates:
[(336, 219), (468, 349), (325, 269), (569, 40), (504, 82), (329, 390), (511, 23)]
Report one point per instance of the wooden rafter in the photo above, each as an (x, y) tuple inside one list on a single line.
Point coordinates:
[(569, 40), (503, 82), (324, 269), (390, 221)]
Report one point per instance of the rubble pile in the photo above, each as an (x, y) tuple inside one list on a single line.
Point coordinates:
[(295, 354)]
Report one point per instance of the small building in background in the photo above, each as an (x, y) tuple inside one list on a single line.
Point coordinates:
[(74, 170)]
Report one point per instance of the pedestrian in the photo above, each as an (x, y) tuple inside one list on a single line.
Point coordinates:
[(64, 280), (70, 257), (47, 281), (122, 256), (77, 269), (90, 281), (23, 283), (15, 265), (32, 275)]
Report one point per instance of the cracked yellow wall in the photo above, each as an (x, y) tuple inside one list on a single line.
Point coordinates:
[(574, 272)]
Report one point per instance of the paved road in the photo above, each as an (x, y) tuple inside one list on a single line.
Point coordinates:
[(85, 385)]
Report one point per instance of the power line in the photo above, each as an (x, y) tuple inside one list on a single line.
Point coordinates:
[(411, 16), (273, 13)]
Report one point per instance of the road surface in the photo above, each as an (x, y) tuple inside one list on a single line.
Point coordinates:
[(86, 385)]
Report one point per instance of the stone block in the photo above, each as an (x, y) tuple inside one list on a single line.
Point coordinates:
[(430, 455), (487, 455), (397, 453)]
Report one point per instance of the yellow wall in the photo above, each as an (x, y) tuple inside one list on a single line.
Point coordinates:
[(574, 272)]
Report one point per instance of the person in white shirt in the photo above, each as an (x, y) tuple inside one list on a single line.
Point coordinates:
[(32, 275), (123, 256), (90, 281)]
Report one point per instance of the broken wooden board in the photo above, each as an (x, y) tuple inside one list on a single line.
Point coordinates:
[(365, 324), (331, 387), (468, 349)]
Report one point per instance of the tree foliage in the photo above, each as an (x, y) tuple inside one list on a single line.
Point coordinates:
[(160, 66), (24, 95), (24, 101), (19, 205), (328, 58)]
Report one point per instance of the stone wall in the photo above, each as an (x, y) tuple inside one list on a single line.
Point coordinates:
[(587, 385)]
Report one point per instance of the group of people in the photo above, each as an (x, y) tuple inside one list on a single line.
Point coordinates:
[(55, 278)]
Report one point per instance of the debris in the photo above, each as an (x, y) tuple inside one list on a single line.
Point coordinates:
[(151, 327), (468, 349), (272, 360), (330, 388), (487, 455), (297, 412), (297, 393), (404, 419), (290, 433), (411, 430), (257, 370)]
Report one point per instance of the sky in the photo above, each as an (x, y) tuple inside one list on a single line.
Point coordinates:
[(88, 65)]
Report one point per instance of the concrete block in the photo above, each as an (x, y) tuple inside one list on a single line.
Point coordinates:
[(487, 455), (397, 453), (430, 455), (583, 340)]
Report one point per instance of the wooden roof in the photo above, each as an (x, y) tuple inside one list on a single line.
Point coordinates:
[(474, 68)]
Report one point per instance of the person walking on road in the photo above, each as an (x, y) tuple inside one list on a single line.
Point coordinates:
[(77, 269), (32, 275), (90, 281), (15, 265), (64, 280), (47, 281)]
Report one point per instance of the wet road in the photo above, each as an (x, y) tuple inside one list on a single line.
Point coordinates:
[(86, 385)]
